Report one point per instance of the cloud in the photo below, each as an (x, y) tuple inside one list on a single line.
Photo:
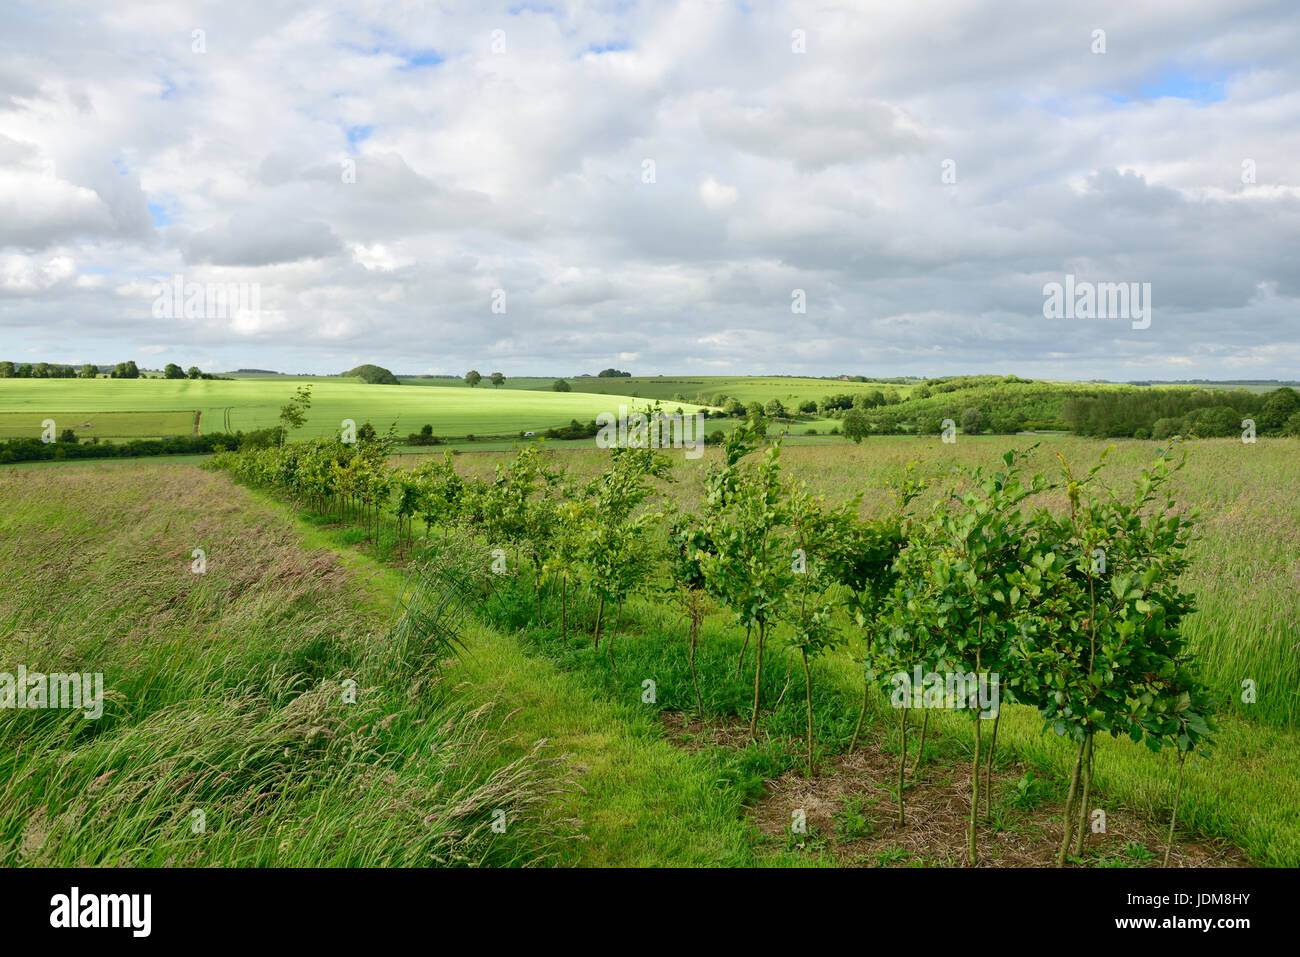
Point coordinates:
[(920, 173), (717, 195)]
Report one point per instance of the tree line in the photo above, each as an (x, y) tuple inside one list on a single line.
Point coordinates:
[(123, 370), (1077, 613)]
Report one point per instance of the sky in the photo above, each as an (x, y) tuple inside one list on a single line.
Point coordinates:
[(707, 187)]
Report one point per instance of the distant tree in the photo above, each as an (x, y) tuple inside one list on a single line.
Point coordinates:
[(774, 409), (294, 413), (373, 375), (88, 371), (41, 370), (1164, 428), (498, 380), (855, 425), (193, 372), (559, 385), (973, 421), (24, 371), (733, 406), (1292, 425), (1279, 406), (7, 370), (129, 369), (472, 378), (612, 374), (809, 407), (67, 435), (173, 371), (755, 410)]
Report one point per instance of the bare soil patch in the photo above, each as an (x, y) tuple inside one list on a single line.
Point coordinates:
[(850, 812)]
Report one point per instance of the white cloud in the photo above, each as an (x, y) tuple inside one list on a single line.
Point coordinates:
[(717, 195), (125, 156)]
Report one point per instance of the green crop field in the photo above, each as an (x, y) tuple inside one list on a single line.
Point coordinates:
[(98, 424), (254, 403)]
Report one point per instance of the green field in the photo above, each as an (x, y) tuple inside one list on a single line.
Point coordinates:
[(667, 388), (98, 424), (254, 403)]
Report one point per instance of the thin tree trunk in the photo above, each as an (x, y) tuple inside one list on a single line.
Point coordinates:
[(902, 760), (564, 604), (975, 791), (1068, 819), (758, 676), (807, 684), (920, 751), (600, 610), (695, 681), (1083, 804), (988, 768), (741, 660), (975, 774), (618, 617), (1173, 818)]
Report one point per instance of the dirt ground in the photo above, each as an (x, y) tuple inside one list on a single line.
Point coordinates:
[(850, 813)]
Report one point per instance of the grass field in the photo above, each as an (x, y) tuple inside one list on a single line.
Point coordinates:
[(303, 603), (254, 403), (102, 425)]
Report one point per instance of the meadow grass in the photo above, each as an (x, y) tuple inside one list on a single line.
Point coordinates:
[(227, 737)]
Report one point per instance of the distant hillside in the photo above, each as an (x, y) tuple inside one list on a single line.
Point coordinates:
[(372, 374)]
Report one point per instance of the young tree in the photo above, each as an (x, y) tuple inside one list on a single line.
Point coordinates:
[(1103, 649), (816, 531), (619, 550), (746, 516), (856, 426), (498, 380), (960, 562), (688, 544), (293, 414)]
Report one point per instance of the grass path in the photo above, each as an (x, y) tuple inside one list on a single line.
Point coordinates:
[(641, 800)]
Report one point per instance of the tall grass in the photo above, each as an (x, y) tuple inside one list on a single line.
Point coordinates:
[(228, 737)]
